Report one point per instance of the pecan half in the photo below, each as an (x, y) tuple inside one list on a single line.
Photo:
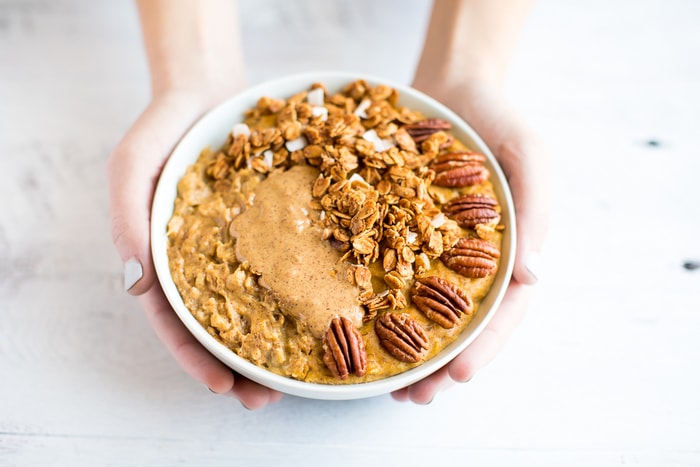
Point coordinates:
[(401, 336), (459, 169), (470, 210), (441, 300), (344, 349), (472, 257), (420, 131)]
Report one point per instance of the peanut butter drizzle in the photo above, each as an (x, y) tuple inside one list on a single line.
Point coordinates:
[(282, 242)]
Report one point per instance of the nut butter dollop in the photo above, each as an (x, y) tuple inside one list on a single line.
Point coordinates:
[(279, 237)]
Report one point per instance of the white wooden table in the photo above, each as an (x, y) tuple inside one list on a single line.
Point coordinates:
[(603, 371)]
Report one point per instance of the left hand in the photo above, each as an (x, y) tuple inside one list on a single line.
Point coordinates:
[(133, 170)]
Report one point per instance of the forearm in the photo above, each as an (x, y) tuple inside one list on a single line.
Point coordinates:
[(192, 45), (470, 39)]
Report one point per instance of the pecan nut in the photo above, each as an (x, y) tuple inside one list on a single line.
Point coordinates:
[(470, 210), (344, 349), (420, 131), (441, 300), (401, 336), (459, 169), (472, 257)]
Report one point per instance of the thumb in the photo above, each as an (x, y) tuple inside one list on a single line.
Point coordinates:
[(527, 170), (133, 169), (524, 160)]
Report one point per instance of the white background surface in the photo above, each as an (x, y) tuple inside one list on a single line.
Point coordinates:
[(603, 370)]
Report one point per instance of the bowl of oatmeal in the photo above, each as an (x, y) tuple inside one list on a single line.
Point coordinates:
[(333, 235)]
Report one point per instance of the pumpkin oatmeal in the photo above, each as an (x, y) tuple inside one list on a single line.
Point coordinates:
[(336, 238)]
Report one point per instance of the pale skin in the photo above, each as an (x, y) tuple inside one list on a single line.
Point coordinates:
[(195, 61)]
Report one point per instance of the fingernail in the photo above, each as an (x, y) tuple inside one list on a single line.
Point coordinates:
[(246, 407), (532, 264), (133, 272)]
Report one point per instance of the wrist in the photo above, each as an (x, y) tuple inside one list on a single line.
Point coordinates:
[(449, 76), (192, 48), (469, 42), (210, 80)]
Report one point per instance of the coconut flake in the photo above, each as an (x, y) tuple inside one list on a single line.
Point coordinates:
[(296, 144), (356, 177), (387, 143), (380, 145), (364, 105), (438, 220), (315, 96), (267, 158), (318, 111), (241, 129), (371, 136), (411, 237)]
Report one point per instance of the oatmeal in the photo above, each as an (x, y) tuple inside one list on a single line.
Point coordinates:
[(336, 238)]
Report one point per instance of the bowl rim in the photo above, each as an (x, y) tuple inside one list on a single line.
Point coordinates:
[(230, 111)]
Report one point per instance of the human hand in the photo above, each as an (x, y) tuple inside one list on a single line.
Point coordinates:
[(195, 60), (524, 161), (133, 170)]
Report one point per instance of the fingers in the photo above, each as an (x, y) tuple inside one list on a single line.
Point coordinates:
[(133, 170), (524, 161), (252, 395), (526, 166), (423, 392), (196, 360), (187, 351), (493, 337), (477, 355)]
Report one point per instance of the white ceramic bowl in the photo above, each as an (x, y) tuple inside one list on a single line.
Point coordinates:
[(212, 130)]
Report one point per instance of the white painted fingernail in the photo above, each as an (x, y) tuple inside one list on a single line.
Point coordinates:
[(133, 272), (532, 264)]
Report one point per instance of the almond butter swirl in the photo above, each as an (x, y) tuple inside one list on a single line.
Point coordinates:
[(279, 237)]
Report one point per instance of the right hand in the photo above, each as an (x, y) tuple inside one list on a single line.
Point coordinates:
[(525, 163)]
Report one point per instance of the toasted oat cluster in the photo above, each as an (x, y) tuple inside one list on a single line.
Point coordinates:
[(409, 210)]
